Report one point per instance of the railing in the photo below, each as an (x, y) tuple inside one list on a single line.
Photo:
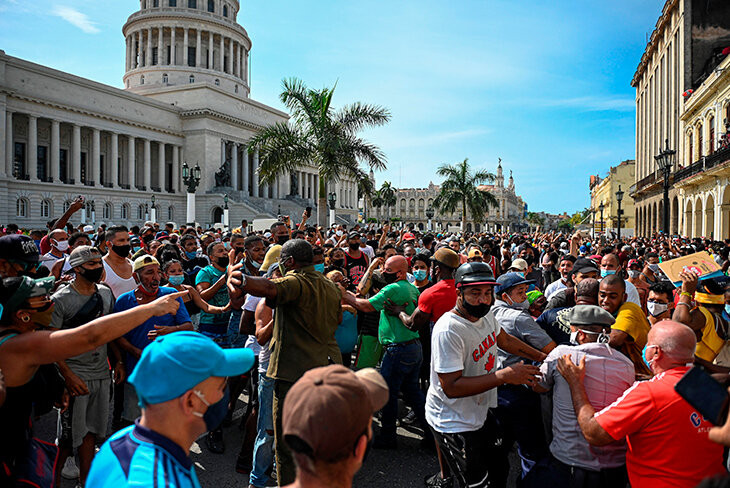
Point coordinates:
[(646, 181), (717, 158)]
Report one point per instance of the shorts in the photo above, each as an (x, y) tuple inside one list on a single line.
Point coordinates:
[(369, 352), (86, 414), (132, 410)]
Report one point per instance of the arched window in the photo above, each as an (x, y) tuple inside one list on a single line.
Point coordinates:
[(217, 82), (211, 5), (236, 89), (164, 77), (125, 211), (108, 211), (420, 203), (225, 10), (711, 123), (170, 213), (140, 212), (141, 80), (403, 205), (46, 206), (21, 207), (700, 140), (191, 79), (690, 149)]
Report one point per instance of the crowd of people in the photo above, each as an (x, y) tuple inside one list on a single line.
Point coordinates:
[(565, 347)]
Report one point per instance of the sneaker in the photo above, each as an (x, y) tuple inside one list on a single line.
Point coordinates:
[(409, 419), (70, 471), (436, 481), (214, 440)]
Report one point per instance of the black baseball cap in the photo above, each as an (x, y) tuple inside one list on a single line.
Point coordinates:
[(584, 265), (18, 247)]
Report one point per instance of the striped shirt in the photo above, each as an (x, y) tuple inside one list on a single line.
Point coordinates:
[(138, 456)]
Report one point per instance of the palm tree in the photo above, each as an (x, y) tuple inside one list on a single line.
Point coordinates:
[(459, 189), (320, 135), (365, 190), (387, 196), (534, 219)]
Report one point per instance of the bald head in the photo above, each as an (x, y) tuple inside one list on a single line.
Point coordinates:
[(398, 265), (676, 340)]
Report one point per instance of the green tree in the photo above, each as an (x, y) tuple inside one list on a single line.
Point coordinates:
[(320, 135), (535, 219), (566, 226), (459, 189)]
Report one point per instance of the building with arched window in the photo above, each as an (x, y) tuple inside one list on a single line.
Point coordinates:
[(186, 99)]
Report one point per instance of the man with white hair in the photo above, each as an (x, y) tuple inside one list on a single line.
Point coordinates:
[(667, 438)]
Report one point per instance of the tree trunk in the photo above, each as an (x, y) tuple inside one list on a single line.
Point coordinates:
[(463, 215)]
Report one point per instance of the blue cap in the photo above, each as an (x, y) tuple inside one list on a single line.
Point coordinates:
[(508, 280), (583, 249), (175, 363)]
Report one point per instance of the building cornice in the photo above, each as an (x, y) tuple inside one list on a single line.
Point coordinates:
[(651, 46), (212, 114), (717, 80)]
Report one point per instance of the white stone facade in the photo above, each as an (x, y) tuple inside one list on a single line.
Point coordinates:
[(63, 136)]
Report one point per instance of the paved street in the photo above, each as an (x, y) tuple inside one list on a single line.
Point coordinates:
[(404, 468)]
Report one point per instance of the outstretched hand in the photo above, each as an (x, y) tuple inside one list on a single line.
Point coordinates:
[(167, 304)]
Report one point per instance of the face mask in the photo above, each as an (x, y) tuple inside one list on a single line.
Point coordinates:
[(227, 246), (727, 308), (338, 262), (92, 275), (176, 280), (339, 233), (61, 245), (191, 254), (215, 413), (122, 251), (643, 356), (256, 264), (574, 337), (521, 305), (319, 267), (42, 318), (282, 266), (634, 273), (37, 243), (390, 277), (420, 274), (477, 311), (654, 268), (91, 237), (656, 309), (222, 261), (354, 246), (135, 249), (282, 239), (607, 272)]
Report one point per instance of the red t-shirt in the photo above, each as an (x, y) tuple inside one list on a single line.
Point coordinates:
[(45, 244), (667, 437), (438, 299)]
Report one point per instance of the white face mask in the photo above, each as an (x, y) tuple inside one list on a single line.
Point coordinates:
[(634, 273), (656, 309), (339, 233), (61, 245)]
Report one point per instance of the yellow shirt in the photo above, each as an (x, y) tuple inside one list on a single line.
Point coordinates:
[(631, 320), (711, 343)]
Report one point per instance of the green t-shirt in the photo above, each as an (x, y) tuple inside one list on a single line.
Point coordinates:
[(210, 274), (390, 329)]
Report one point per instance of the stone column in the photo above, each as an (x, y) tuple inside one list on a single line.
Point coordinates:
[(210, 50), (244, 170), (76, 154), (138, 50), (9, 146), (198, 49), (286, 185), (131, 150), (95, 157), (147, 166), (148, 60), (32, 168), (161, 166), (126, 59), (245, 63), (55, 150), (175, 169), (114, 160), (173, 47), (185, 46), (234, 166), (160, 47), (230, 57), (255, 174), (222, 54)]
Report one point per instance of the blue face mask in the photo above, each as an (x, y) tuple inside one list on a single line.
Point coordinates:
[(38, 243), (135, 249), (91, 237), (191, 254), (215, 413), (319, 267), (643, 356), (420, 274), (176, 280), (607, 272), (727, 309)]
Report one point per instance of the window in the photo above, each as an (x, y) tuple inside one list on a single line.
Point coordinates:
[(225, 10), (102, 179), (225, 64), (235, 89), (42, 168), (21, 207), (125, 211), (155, 3), (169, 54), (46, 206), (155, 58), (192, 4), (211, 5), (170, 213), (19, 161), (689, 150), (700, 139), (141, 80), (107, 211), (63, 164), (164, 78), (217, 82), (192, 79), (191, 56), (711, 149), (140, 212), (83, 167), (172, 3)]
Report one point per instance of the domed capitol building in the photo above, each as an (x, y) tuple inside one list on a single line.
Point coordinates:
[(185, 102)]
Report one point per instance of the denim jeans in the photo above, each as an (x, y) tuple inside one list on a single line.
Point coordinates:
[(235, 338), (400, 368), (263, 449)]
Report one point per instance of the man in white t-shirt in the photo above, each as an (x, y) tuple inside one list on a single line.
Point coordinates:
[(464, 378)]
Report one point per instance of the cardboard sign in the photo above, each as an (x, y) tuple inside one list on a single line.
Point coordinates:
[(700, 263)]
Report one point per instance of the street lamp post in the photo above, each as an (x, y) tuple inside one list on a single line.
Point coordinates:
[(619, 197), (593, 219), (600, 209), (146, 212), (429, 216), (332, 200), (93, 213), (665, 162), (153, 210), (225, 211), (191, 179)]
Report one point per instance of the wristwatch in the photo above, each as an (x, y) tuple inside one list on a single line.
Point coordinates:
[(243, 280)]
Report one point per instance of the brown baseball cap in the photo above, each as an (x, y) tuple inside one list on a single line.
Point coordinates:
[(447, 257), (329, 409)]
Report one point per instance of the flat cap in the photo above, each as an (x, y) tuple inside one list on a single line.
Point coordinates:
[(590, 315)]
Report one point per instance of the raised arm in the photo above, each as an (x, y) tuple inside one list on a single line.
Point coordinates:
[(513, 345), (264, 322)]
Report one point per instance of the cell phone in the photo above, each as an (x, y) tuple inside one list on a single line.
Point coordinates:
[(309, 211), (705, 394)]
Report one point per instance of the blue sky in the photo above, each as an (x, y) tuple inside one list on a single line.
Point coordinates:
[(543, 85)]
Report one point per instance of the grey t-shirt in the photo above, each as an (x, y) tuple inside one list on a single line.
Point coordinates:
[(68, 302), (520, 324)]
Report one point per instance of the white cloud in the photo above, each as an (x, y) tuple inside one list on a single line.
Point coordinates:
[(76, 18)]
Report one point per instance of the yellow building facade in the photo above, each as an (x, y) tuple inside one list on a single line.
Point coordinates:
[(603, 190)]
